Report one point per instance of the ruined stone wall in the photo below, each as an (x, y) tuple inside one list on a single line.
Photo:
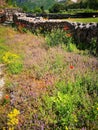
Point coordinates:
[(6, 14), (2, 18), (82, 32), (10, 12)]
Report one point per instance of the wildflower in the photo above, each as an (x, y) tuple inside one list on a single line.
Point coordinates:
[(11, 128), (69, 35), (9, 57), (71, 67), (66, 128), (13, 117), (6, 96), (66, 28), (4, 128), (97, 108)]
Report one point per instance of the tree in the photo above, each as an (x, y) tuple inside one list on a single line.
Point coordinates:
[(56, 8), (93, 4)]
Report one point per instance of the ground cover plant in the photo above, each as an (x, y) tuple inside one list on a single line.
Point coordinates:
[(84, 20), (56, 87)]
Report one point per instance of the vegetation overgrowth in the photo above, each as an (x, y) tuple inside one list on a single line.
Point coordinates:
[(54, 86)]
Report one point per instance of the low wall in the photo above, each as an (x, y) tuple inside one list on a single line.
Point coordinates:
[(83, 33), (64, 16), (2, 18), (10, 12)]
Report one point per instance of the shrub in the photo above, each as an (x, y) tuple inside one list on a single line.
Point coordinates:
[(57, 37), (74, 105), (72, 47), (93, 46), (15, 67)]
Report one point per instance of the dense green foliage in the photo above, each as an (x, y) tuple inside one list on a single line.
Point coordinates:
[(58, 36), (62, 37), (63, 7), (31, 5), (74, 105), (53, 6)]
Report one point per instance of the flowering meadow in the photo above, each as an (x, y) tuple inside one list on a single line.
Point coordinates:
[(50, 84)]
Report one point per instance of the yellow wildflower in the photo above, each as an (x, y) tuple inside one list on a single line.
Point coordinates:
[(13, 117), (9, 57), (66, 128)]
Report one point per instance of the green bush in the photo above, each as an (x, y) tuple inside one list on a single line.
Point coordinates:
[(72, 47), (74, 105), (93, 46), (15, 67), (57, 36)]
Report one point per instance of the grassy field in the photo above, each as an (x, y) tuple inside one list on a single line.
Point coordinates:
[(84, 20), (46, 87)]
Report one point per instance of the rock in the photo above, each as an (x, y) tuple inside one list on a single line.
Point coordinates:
[(2, 80), (1, 95)]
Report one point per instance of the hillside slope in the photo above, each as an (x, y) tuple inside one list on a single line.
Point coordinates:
[(55, 89), (35, 3)]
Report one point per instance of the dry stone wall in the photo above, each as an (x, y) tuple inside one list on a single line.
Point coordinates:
[(7, 14), (82, 32), (2, 18), (10, 12)]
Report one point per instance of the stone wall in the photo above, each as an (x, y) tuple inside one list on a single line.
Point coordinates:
[(64, 16), (82, 32), (10, 12), (6, 14), (2, 18)]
